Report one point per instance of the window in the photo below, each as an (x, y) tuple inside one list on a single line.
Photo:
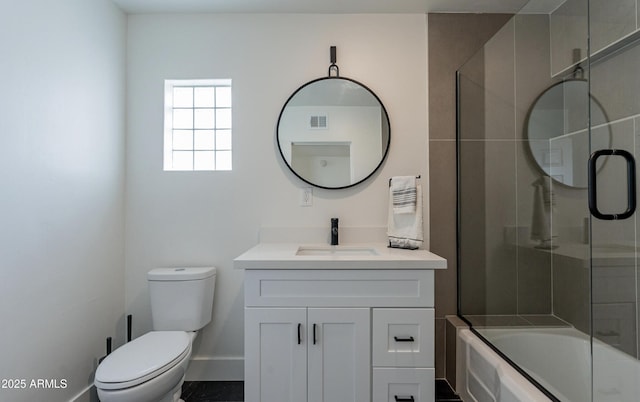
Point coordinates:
[(197, 125)]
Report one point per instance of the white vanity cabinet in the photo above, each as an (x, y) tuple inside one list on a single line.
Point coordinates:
[(352, 324), (339, 335)]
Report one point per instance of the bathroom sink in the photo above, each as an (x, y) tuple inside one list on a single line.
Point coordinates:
[(322, 256), (335, 250)]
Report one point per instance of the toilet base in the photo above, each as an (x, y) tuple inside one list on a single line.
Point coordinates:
[(175, 394)]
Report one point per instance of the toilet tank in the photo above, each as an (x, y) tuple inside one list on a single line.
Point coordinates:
[(181, 298)]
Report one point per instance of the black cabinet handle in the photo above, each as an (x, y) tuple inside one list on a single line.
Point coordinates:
[(299, 335), (314, 334), (404, 398), (631, 184), (405, 339)]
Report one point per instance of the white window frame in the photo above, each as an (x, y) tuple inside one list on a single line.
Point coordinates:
[(169, 150)]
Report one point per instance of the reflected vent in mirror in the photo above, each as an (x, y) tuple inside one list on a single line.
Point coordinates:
[(318, 121)]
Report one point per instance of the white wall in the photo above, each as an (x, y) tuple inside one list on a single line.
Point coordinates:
[(62, 132), (202, 218)]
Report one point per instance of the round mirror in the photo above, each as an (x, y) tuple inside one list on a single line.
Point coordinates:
[(333, 132), (557, 130)]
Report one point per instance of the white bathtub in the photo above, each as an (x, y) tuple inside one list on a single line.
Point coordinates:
[(558, 358)]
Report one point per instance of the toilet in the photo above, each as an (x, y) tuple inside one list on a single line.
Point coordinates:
[(151, 368)]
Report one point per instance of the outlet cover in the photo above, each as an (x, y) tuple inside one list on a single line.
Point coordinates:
[(306, 197)]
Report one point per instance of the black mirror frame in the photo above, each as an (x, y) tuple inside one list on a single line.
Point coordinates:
[(529, 151), (386, 150)]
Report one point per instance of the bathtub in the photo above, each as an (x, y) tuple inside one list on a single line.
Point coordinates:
[(558, 358)]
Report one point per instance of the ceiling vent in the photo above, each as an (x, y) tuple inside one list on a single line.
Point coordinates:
[(318, 122)]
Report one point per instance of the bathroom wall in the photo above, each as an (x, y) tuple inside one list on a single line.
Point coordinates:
[(209, 218), (453, 39), (501, 274), (62, 157)]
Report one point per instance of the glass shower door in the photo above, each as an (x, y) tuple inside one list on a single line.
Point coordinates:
[(548, 132), (523, 146), (614, 65)]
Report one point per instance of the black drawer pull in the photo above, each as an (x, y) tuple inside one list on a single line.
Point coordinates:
[(314, 334), (404, 398), (406, 339), (299, 335)]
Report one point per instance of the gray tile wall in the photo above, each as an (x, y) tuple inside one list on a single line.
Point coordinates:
[(453, 39), (500, 83), (508, 276)]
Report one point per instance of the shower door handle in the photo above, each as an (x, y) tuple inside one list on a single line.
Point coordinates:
[(631, 184)]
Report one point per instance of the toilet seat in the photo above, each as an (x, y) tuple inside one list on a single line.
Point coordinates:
[(142, 359)]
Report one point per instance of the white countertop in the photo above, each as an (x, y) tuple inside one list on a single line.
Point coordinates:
[(284, 256)]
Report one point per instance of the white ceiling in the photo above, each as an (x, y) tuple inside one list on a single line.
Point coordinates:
[(322, 6)]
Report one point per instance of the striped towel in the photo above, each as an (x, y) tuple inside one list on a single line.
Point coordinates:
[(403, 191), (405, 230)]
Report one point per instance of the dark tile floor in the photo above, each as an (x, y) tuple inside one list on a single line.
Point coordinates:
[(444, 393), (233, 391), (213, 391)]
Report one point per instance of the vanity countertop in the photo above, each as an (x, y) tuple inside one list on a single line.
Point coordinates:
[(345, 256)]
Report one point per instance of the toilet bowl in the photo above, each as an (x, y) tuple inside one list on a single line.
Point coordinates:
[(152, 367)]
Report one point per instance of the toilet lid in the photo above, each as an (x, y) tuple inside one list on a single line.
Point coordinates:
[(143, 358)]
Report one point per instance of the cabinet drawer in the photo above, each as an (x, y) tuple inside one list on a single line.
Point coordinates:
[(339, 288), (402, 384), (403, 337)]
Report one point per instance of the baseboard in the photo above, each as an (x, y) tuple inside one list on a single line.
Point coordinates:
[(88, 395), (216, 369)]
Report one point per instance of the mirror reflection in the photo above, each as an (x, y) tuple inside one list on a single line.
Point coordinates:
[(333, 132), (558, 134)]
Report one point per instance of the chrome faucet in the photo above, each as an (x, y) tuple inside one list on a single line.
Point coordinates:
[(334, 231)]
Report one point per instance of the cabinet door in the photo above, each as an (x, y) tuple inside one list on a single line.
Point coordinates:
[(275, 356), (339, 367)]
